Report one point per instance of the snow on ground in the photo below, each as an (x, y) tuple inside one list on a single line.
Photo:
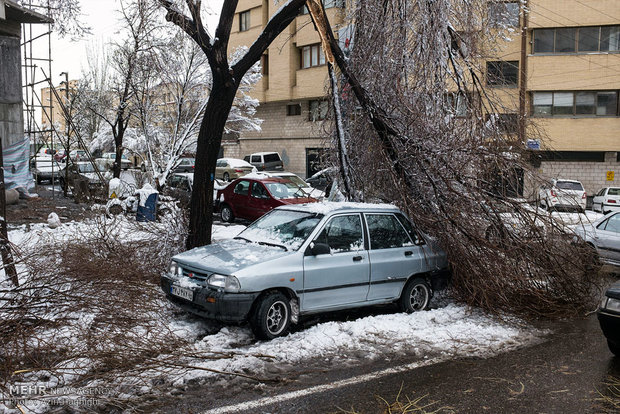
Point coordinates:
[(445, 332)]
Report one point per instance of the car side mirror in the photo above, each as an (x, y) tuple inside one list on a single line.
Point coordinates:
[(316, 249)]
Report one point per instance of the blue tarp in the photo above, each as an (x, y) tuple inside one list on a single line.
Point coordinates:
[(16, 169)]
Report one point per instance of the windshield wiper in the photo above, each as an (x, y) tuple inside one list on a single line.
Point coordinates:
[(274, 245), (242, 238)]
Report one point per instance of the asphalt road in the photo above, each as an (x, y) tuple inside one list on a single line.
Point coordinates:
[(561, 375)]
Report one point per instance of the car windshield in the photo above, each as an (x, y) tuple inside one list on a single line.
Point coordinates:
[(86, 168), (284, 190), (296, 180), (569, 185), (283, 228)]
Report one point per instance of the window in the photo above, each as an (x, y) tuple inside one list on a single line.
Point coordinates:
[(610, 39), (588, 39), (264, 65), (312, 56), (273, 157), (242, 187), (318, 110), (417, 239), (503, 73), (504, 14), (611, 224), (580, 103), (220, 164), (386, 232), (256, 159), (244, 21), (343, 234), (577, 39), (293, 109), (258, 191)]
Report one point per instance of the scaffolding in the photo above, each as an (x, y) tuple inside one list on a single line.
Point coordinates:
[(36, 73)]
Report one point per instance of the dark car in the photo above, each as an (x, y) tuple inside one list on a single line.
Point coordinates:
[(185, 165), (609, 317), (250, 198)]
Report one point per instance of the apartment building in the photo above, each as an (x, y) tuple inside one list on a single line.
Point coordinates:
[(571, 82), (52, 113), (292, 90)]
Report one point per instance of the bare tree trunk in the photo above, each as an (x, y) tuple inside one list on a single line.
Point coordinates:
[(209, 140)]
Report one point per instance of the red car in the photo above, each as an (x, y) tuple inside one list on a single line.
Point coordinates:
[(250, 198)]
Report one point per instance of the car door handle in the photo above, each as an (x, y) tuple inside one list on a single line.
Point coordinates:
[(357, 258), (408, 253)]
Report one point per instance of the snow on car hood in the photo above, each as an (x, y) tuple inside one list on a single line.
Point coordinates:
[(228, 256)]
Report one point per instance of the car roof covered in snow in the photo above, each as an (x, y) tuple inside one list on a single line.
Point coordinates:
[(329, 207)]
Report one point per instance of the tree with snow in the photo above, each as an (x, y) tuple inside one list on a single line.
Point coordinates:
[(227, 77)]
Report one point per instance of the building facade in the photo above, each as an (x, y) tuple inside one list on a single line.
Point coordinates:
[(567, 67)]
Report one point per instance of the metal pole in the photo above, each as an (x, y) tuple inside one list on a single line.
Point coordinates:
[(5, 247), (523, 73), (67, 124)]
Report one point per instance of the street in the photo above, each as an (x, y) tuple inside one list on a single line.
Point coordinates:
[(561, 375)]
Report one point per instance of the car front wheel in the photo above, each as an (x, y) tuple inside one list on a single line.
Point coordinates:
[(271, 317), (227, 214), (416, 296)]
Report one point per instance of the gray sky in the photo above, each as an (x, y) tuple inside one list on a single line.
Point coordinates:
[(102, 17)]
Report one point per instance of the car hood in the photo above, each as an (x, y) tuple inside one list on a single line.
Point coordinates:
[(228, 256), (614, 291)]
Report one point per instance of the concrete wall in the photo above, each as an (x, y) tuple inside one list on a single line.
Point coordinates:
[(11, 116)]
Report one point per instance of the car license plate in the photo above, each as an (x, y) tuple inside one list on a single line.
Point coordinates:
[(182, 292)]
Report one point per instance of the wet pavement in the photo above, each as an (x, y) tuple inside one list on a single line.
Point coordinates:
[(563, 374)]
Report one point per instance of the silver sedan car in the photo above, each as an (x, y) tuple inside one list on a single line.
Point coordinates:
[(604, 235), (304, 259)]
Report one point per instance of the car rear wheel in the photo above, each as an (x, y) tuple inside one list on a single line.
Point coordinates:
[(227, 214), (614, 348), (416, 296), (271, 317), (226, 177)]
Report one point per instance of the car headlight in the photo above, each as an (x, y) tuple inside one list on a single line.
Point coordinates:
[(611, 304), (228, 283), (175, 269)]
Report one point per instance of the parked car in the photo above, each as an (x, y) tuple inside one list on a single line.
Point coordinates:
[(609, 318), (45, 168), (607, 200), (179, 186), (232, 168), (106, 162), (323, 179), (251, 197), (298, 181), (511, 218), (305, 259), (604, 235), (184, 165), (563, 194), (83, 170), (78, 155), (265, 161)]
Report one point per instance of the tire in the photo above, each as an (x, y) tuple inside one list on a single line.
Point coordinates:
[(227, 214), (416, 296), (614, 348), (271, 316), (226, 177)]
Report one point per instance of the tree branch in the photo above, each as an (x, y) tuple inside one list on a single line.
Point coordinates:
[(227, 17), (193, 28)]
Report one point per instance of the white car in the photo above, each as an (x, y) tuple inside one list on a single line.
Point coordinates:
[(563, 194), (607, 200), (308, 190)]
